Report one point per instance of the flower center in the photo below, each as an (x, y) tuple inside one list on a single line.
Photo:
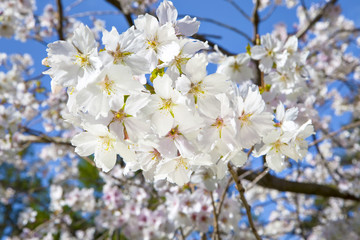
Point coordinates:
[(173, 133), (155, 155), (167, 105), (236, 67), (82, 60), (107, 85), (245, 119), (118, 55), (106, 142), (181, 162), (219, 123)]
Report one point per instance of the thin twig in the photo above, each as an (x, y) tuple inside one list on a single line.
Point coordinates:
[(117, 5), (182, 233), (302, 230), (37, 39), (94, 13), (239, 9), (324, 161), (231, 28), (35, 77), (86, 158), (258, 178), (255, 19), (241, 190), (60, 29), (44, 139), (206, 35), (269, 14), (74, 4), (202, 37), (303, 31), (332, 134), (305, 10), (216, 233), (223, 195), (351, 31)]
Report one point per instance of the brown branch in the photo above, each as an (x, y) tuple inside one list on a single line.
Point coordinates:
[(332, 134), (60, 29), (350, 31), (45, 139), (212, 44), (182, 234), (216, 233), (305, 10), (303, 31), (269, 14), (258, 178), (235, 5), (283, 185), (324, 161), (223, 195), (297, 209), (72, 5), (117, 5), (255, 19), (94, 13), (241, 190), (231, 28)]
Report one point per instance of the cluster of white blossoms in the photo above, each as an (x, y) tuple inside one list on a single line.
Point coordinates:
[(147, 97), (136, 6), (16, 18)]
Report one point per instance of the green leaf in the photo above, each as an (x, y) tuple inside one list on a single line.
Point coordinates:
[(157, 72), (89, 175)]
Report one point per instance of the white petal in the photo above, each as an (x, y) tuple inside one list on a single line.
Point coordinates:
[(257, 52), (163, 122), (188, 26), (166, 12), (275, 161), (105, 159), (280, 111), (180, 176), (85, 143), (163, 86), (168, 51), (239, 159), (183, 84)]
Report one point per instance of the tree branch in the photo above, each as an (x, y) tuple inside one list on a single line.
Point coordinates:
[(45, 139), (235, 5), (303, 31), (216, 232), (201, 37), (223, 195), (267, 181), (269, 14), (283, 185), (231, 28), (117, 5), (332, 134), (60, 29), (241, 190), (255, 21)]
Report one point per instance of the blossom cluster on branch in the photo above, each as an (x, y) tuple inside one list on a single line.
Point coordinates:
[(193, 140), (180, 119)]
